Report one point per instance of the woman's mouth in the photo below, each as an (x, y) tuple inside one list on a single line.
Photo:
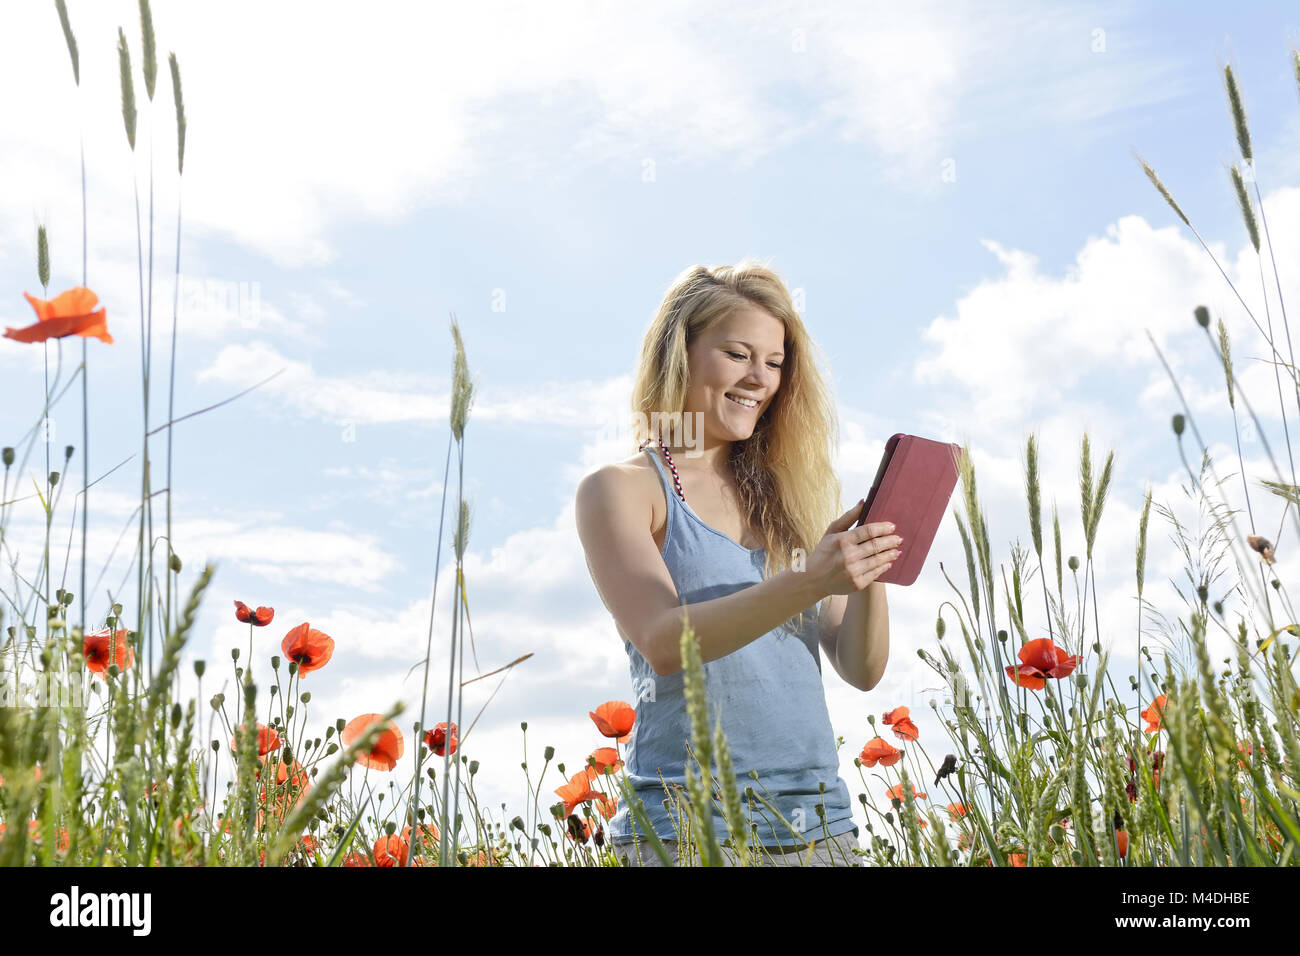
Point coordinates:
[(743, 402)]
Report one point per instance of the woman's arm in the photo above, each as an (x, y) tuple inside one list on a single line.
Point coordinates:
[(633, 581), (855, 635)]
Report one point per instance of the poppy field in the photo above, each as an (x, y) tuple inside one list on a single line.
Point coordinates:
[(1053, 756)]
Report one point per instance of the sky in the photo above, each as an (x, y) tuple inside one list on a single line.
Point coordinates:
[(952, 190)]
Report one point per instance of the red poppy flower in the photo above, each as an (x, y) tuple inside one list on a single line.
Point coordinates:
[(1014, 859), (384, 752), (879, 750), (957, 810), (260, 618), (287, 793), (577, 790), (904, 729), (68, 313), (1153, 714), (578, 830), (605, 760), (428, 838), (436, 739), (356, 859), (312, 649), (390, 851), (292, 775), (607, 805), (267, 740), (1247, 749), (34, 834), (1121, 839), (615, 718), (896, 793), (1040, 659), (102, 650)]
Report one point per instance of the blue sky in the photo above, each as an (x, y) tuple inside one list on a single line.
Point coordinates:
[(952, 187)]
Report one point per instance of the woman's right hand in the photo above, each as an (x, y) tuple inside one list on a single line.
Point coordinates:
[(847, 559)]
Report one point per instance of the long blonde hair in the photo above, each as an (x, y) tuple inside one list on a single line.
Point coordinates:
[(787, 487)]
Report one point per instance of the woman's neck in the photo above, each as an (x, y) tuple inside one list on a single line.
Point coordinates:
[(715, 459)]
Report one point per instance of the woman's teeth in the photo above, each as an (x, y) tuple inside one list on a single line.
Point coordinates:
[(743, 402)]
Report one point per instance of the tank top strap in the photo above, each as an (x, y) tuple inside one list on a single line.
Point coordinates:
[(670, 492)]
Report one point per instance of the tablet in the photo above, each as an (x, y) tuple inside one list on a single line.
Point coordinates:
[(912, 487)]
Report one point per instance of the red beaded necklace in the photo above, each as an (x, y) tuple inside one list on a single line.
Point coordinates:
[(677, 483)]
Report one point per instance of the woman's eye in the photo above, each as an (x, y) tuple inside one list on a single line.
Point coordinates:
[(740, 355)]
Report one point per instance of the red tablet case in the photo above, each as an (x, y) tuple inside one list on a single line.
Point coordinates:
[(912, 487)]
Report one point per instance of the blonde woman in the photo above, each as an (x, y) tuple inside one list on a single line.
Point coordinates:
[(733, 527)]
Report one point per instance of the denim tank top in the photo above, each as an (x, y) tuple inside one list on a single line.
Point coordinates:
[(768, 693)]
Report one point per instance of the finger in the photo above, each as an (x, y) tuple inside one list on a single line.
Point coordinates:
[(870, 560), (845, 521), (874, 529)]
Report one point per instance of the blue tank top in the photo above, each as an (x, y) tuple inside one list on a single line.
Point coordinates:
[(768, 693)]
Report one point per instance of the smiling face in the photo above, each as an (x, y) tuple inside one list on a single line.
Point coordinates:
[(741, 356)]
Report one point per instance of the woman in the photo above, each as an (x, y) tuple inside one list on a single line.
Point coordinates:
[(715, 527)]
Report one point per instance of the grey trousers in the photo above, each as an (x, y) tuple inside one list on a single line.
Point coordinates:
[(831, 851)]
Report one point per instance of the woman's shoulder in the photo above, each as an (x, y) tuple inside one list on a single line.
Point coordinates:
[(631, 484), (632, 478)]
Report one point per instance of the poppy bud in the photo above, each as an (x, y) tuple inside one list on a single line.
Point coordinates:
[(523, 725), (176, 562), (939, 627), (549, 753), (306, 696), (1202, 592), (8, 455), (1002, 636), (1178, 424), (1073, 563), (517, 824), (54, 478), (1202, 316), (199, 667), (234, 653), (340, 724), (275, 662), (218, 700), (67, 453)]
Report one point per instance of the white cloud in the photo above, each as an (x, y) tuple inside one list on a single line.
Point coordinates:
[(1024, 340), (298, 123)]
